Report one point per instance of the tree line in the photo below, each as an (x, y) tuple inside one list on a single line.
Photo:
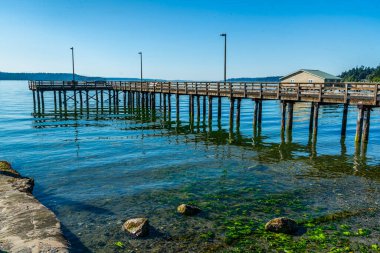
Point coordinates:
[(360, 74)]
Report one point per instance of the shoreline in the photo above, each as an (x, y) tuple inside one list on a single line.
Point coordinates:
[(25, 224)]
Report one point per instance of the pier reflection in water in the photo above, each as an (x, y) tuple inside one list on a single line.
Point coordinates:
[(197, 118)]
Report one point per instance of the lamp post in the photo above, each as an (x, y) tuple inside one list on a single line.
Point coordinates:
[(72, 59), (225, 55), (225, 78), (141, 67)]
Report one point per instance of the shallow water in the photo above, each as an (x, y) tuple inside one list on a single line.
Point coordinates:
[(98, 169)]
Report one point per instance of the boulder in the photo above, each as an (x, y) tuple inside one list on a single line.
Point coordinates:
[(188, 209), (282, 225), (138, 227)]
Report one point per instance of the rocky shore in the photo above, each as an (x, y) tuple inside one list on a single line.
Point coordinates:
[(25, 224)]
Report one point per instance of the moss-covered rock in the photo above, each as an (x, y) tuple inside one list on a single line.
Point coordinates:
[(282, 225), (188, 209)]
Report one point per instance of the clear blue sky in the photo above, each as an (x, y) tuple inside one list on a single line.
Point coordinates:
[(180, 39)]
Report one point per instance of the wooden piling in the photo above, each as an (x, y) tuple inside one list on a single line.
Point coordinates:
[(97, 100), (311, 120), (75, 101), (65, 101), (87, 101), (366, 124), (42, 101), (238, 104), (283, 115), (315, 121), (232, 104), (255, 114), (177, 106), (210, 111), (169, 104), (101, 101), (34, 100), (260, 113), (204, 110), (60, 100), (38, 101), (359, 124), (290, 117), (219, 109), (344, 120), (55, 101), (80, 101), (198, 110)]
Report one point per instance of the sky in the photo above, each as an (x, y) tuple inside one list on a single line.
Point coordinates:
[(180, 39)]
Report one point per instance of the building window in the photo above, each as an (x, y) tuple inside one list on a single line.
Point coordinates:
[(310, 81), (292, 80)]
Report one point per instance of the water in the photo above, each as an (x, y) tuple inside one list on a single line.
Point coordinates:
[(97, 170)]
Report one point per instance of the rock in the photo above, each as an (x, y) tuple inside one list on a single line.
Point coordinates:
[(282, 225), (6, 169), (26, 225), (23, 184), (188, 210), (138, 227)]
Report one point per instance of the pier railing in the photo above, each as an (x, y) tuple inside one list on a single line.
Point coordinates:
[(346, 93)]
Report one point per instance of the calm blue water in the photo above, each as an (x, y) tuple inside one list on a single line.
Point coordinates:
[(97, 170)]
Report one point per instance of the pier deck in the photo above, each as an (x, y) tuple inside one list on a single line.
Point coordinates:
[(334, 93)]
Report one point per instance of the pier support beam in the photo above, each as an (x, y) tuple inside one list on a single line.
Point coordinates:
[(260, 113), (204, 110), (289, 122), (283, 116), (38, 101), (232, 105), (219, 109), (366, 123), (80, 101), (359, 124), (315, 122), (34, 100), (55, 101), (344, 120), (42, 101), (210, 112), (238, 105), (198, 110), (311, 120), (177, 106)]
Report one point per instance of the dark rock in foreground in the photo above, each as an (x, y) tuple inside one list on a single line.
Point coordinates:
[(25, 224), (282, 225), (138, 227), (188, 210)]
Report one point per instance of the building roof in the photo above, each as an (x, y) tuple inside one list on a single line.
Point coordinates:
[(317, 73)]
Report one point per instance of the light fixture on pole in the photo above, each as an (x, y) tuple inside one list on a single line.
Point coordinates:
[(141, 66)]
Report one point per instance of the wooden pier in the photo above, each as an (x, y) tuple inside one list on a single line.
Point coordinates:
[(114, 95)]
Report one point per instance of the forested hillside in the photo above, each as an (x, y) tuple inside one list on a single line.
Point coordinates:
[(359, 74)]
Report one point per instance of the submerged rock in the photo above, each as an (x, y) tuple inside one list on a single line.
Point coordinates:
[(26, 225), (138, 227), (282, 225), (188, 210)]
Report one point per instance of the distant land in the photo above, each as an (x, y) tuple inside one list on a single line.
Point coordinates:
[(69, 77)]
